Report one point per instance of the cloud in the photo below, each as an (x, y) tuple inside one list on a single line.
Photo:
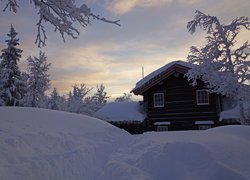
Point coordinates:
[(153, 33), (123, 7), (117, 66)]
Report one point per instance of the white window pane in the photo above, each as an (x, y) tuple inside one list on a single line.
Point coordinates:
[(162, 128), (158, 100), (204, 127), (202, 97)]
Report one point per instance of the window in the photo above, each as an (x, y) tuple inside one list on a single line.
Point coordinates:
[(202, 97), (162, 128), (204, 127), (158, 100)]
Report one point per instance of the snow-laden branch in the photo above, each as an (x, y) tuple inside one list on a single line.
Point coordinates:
[(11, 5), (62, 14), (202, 21), (222, 65)]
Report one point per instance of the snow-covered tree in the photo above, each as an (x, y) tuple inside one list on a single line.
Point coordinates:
[(12, 86), (127, 97), (76, 98), (64, 15), (222, 63), (38, 81), (93, 103), (100, 97), (56, 102)]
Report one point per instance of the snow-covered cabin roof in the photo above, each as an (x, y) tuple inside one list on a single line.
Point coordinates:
[(160, 74), (121, 111)]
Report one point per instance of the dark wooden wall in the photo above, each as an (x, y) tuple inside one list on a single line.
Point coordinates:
[(180, 104), (132, 128)]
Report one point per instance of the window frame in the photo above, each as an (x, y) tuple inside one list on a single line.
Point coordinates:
[(157, 104), (204, 126), (198, 97), (162, 128)]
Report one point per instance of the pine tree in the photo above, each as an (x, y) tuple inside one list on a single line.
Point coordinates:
[(76, 98), (222, 64), (100, 96), (93, 103), (127, 97), (12, 86), (38, 81), (56, 102)]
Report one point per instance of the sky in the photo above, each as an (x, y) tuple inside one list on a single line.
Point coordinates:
[(152, 34)]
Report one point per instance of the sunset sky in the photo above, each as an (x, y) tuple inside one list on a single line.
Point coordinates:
[(152, 33)]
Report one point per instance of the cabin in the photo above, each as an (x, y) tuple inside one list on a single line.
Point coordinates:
[(171, 103), (125, 115)]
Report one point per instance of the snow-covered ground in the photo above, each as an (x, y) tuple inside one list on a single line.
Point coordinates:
[(43, 144)]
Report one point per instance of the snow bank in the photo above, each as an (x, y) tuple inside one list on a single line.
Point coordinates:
[(219, 153), (44, 144), (121, 111)]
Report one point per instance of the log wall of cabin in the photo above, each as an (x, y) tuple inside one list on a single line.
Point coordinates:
[(180, 107)]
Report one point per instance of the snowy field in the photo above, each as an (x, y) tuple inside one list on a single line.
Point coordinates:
[(40, 144)]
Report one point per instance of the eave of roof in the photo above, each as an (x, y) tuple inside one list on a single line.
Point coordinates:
[(160, 74)]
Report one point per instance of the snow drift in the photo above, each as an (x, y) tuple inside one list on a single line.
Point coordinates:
[(215, 154), (44, 144)]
